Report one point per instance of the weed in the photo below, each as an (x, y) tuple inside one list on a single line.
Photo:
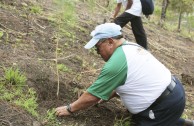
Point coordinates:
[(50, 118), (14, 77), (36, 9), (1, 34), (122, 122), (63, 68), (28, 102), (64, 17), (8, 96), (13, 89)]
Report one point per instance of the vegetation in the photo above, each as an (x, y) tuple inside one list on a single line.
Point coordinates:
[(177, 14), (50, 118), (122, 122), (13, 89), (62, 16)]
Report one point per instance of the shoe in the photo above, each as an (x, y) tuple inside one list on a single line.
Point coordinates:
[(189, 123)]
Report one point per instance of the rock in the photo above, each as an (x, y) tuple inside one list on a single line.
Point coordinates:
[(24, 4)]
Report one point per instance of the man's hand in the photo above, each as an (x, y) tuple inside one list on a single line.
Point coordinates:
[(62, 111)]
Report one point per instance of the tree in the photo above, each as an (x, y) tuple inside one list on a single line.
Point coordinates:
[(165, 4), (182, 6)]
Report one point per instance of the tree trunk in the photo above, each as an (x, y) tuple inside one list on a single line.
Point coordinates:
[(165, 4), (189, 24), (180, 17), (179, 24)]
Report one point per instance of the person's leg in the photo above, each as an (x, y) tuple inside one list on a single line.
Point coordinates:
[(165, 112), (139, 32), (136, 25), (180, 122), (185, 122), (123, 19), (189, 122)]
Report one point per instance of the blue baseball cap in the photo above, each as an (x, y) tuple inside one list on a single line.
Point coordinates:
[(106, 30)]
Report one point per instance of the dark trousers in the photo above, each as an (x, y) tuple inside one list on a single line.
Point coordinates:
[(166, 112), (136, 25)]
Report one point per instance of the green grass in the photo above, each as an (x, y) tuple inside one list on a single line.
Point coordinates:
[(51, 119), (14, 77), (13, 89), (1, 34), (171, 22), (65, 14), (35, 9), (122, 122), (63, 68), (64, 19)]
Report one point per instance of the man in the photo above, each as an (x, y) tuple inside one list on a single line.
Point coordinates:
[(145, 86), (133, 10)]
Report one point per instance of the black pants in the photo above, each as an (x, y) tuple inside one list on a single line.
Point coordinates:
[(166, 112), (136, 25)]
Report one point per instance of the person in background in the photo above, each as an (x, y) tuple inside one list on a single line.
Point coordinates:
[(145, 86), (132, 13)]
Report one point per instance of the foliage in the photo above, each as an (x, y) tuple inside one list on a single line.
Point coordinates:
[(36, 9), (28, 101), (182, 6), (64, 17), (50, 118), (13, 89), (14, 77), (65, 13), (63, 68), (1, 34), (122, 122), (187, 23)]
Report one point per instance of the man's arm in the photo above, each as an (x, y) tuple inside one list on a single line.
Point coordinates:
[(114, 94), (117, 9), (129, 4), (86, 100)]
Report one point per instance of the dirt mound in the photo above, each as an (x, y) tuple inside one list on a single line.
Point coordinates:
[(11, 115)]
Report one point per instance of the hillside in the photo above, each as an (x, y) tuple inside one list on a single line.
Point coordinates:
[(47, 46)]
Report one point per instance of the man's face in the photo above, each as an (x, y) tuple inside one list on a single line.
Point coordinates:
[(104, 48)]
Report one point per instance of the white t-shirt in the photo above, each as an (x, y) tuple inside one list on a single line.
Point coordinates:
[(146, 79), (135, 74), (136, 8)]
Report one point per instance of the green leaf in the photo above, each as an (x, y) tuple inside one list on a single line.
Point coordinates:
[(1, 34)]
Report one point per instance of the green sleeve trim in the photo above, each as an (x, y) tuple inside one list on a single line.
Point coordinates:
[(113, 74)]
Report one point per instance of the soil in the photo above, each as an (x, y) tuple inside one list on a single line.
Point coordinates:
[(29, 43)]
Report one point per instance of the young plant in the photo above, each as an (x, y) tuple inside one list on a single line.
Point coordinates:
[(14, 77), (122, 122), (63, 68), (13, 89), (36, 9), (50, 118), (28, 102)]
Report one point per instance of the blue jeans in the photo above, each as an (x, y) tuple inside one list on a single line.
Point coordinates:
[(166, 112)]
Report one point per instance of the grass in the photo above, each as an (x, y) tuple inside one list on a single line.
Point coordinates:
[(63, 68), (65, 14), (13, 89), (122, 122), (50, 118), (14, 77), (171, 22), (1, 34), (35, 9)]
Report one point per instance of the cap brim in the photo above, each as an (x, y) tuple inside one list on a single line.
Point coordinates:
[(91, 43)]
